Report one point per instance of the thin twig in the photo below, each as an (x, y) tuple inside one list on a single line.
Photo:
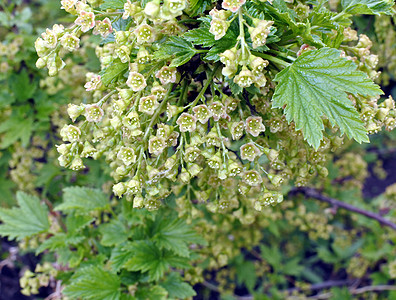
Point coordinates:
[(312, 193), (312, 287), (362, 290), (211, 286)]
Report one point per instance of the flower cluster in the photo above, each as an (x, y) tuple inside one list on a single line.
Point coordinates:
[(160, 131)]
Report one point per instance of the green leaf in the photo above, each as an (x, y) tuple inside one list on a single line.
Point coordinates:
[(235, 89), (6, 191), (147, 257), (181, 49), (16, 128), (83, 200), (6, 98), (174, 234), (197, 7), (60, 240), (112, 4), (120, 256), (246, 274), (201, 36), (316, 85), (94, 283), (112, 72), (30, 218), (21, 86), (155, 292), (113, 233), (177, 288), (368, 7), (75, 223)]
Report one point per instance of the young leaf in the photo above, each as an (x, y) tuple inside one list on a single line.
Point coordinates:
[(30, 218), (177, 288), (178, 47), (155, 292), (147, 257), (368, 7), (83, 199), (112, 72), (174, 234), (94, 283), (201, 36), (315, 85), (112, 4)]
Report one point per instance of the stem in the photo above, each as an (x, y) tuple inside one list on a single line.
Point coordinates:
[(312, 193), (362, 290), (204, 88), (242, 34), (279, 53), (103, 100), (338, 16), (182, 92)]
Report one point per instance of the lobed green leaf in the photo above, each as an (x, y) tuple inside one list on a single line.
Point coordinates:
[(316, 85)]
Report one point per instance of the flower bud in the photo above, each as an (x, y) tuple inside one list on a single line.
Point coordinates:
[(119, 189), (184, 176), (123, 53), (218, 28), (260, 33), (152, 9), (77, 164), (121, 37), (138, 201), (231, 104), (74, 111), (245, 78), (215, 161), (143, 56), (228, 57), (233, 168), (63, 149), (175, 7), (41, 63), (276, 180), (193, 169)]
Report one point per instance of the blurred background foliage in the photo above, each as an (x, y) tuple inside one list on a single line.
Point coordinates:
[(297, 249)]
